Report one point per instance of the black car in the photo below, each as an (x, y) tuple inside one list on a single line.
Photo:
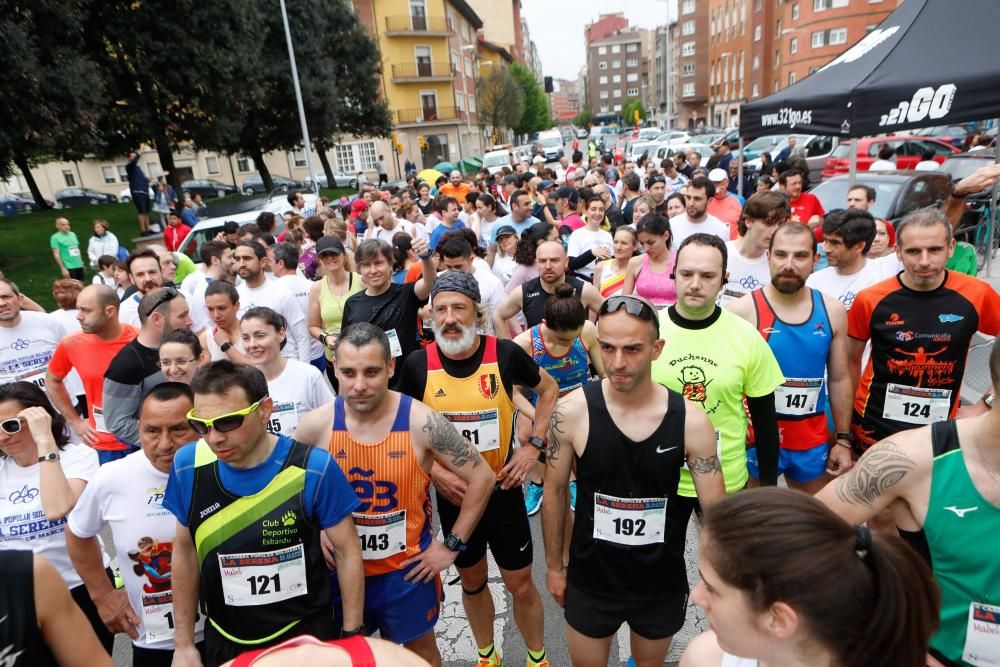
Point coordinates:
[(23, 204), (208, 188), (896, 192), (70, 197), (254, 185)]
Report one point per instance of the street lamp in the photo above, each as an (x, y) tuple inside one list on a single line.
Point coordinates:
[(298, 99), (468, 115)]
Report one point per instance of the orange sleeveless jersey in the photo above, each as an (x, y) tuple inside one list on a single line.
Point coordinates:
[(394, 520)]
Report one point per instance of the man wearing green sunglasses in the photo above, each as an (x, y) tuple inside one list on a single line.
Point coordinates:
[(251, 508)]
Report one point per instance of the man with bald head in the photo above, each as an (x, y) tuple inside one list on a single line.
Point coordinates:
[(384, 224), (90, 352), (531, 297), (455, 187)]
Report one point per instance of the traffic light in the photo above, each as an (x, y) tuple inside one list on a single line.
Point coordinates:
[(396, 145), (548, 84), (636, 116), (422, 142)]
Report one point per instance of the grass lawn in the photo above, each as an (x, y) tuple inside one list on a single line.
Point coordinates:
[(25, 256)]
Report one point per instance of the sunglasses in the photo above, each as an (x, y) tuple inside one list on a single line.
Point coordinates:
[(11, 426), (223, 423), (633, 305), (169, 293)]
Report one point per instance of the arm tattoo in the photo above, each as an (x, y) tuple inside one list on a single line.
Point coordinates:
[(557, 429), (705, 466), (875, 473), (446, 441)]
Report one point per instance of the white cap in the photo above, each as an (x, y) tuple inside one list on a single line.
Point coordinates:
[(538, 159), (717, 175)]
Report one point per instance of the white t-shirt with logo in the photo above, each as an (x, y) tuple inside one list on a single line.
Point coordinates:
[(582, 240), (25, 350), (846, 288), (745, 275), (681, 227), (127, 495), (276, 297), (128, 311), (299, 287), (22, 520), (299, 389), (193, 288)]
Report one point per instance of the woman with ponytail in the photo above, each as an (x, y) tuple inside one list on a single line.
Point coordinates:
[(785, 581)]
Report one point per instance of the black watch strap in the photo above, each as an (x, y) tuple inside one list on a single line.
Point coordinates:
[(225, 346), (454, 543)]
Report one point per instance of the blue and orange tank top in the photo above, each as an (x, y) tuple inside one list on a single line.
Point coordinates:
[(801, 351), (394, 520), (570, 371)]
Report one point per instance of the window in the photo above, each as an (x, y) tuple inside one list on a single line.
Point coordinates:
[(795, 12), (756, 90), (616, 64), (756, 62), (870, 27), (687, 28), (687, 90), (632, 62), (602, 65), (616, 48), (69, 178), (777, 27), (472, 103), (604, 94), (793, 46), (632, 92), (344, 154), (602, 50), (687, 69), (758, 5), (791, 78), (818, 39), (459, 100), (110, 174), (617, 78), (211, 164), (123, 173), (687, 7), (838, 36), (605, 109), (604, 80), (687, 49), (243, 164), (632, 78), (299, 158), (618, 107), (369, 158), (632, 48), (821, 5), (756, 33), (618, 92)]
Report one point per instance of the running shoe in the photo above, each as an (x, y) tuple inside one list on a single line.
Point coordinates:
[(572, 495), (533, 498), (493, 660)]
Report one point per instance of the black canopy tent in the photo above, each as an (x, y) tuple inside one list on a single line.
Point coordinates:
[(930, 62)]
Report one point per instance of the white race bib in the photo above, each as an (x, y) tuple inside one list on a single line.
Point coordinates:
[(916, 405), (74, 251), (481, 428), (98, 413), (798, 396), (36, 378), (982, 636), (629, 521), (252, 579), (394, 348), (158, 617), (381, 535), (718, 450), (284, 418)]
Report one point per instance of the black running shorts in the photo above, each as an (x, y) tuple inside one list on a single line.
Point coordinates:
[(598, 615), (504, 528)]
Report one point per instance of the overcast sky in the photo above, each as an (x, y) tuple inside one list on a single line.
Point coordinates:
[(556, 27)]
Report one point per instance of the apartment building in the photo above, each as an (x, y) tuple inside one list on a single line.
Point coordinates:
[(692, 66), (502, 25), (731, 32)]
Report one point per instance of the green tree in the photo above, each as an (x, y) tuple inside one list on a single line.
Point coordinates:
[(536, 116), (54, 92), (500, 99), (629, 107), (584, 119)]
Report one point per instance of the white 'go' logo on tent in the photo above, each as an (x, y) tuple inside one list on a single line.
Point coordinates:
[(926, 102)]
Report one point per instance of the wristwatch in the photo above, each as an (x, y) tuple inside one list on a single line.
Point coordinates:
[(51, 456), (988, 399), (955, 194), (541, 445), (454, 543), (225, 346)]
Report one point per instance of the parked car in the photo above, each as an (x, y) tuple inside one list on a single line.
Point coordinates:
[(908, 149), (340, 180), (24, 204), (648, 133), (818, 148), (670, 150), (208, 188), (674, 136), (896, 192), (952, 134), (552, 144), (70, 197), (495, 161), (126, 195), (581, 133), (254, 185)]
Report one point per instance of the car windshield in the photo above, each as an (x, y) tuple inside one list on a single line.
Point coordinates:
[(767, 143), (832, 194), (959, 168), (497, 160), (552, 142)]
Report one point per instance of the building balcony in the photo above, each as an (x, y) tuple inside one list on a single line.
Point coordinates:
[(417, 26), (427, 115), (421, 72)]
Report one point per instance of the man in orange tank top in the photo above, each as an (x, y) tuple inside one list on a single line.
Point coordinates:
[(386, 443)]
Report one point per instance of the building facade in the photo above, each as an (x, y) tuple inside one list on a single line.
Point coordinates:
[(692, 63), (731, 33), (428, 51), (502, 25)]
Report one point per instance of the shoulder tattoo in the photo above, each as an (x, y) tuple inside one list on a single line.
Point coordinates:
[(557, 431), (878, 470), (705, 466), (447, 442)]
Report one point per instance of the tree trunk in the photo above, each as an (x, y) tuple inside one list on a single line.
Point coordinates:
[(36, 194), (167, 164), (265, 174), (325, 161)]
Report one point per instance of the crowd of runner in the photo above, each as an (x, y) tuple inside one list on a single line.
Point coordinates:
[(618, 346)]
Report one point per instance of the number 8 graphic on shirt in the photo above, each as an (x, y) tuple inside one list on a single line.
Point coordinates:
[(375, 495)]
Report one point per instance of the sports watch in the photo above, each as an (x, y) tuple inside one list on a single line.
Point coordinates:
[(541, 445), (454, 543), (225, 346)]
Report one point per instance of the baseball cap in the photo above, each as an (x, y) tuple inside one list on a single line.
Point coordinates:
[(538, 159), (507, 229), (546, 184), (717, 175), (568, 192), (329, 244)]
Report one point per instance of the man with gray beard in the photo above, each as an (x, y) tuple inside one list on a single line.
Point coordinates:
[(469, 379)]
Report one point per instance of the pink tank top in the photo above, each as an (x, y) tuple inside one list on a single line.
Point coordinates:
[(659, 288)]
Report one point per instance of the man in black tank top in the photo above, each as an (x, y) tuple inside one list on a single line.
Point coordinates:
[(534, 294), (40, 624), (629, 438)]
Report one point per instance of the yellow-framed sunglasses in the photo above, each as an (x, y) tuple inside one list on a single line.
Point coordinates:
[(223, 423)]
